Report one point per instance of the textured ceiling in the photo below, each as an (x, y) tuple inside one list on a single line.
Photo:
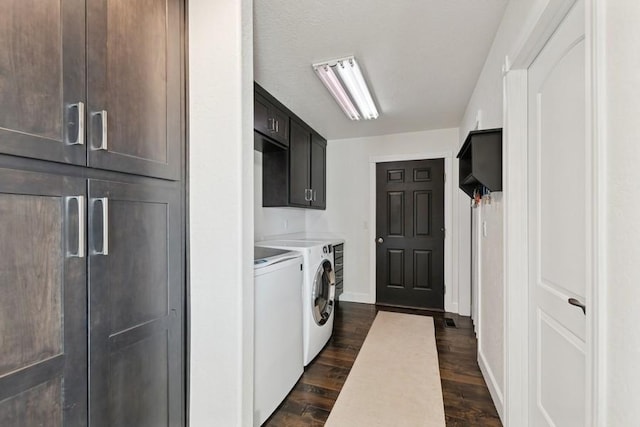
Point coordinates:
[(421, 58)]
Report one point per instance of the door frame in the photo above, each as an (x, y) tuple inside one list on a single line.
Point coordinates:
[(450, 284), (541, 27)]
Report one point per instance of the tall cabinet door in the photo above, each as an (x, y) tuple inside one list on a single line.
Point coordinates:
[(299, 146), (135, 305), (42, 300), (134, 97), (318, 171), (42, 79)]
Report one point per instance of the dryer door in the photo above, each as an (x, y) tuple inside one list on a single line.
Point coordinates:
[(323, 292)]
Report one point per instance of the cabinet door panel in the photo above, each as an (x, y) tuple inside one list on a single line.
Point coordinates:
[(134, 71), (299, 155), (281, 133), (318, 171), (42, 65), (42, 301), (261, 115), (135, 312)]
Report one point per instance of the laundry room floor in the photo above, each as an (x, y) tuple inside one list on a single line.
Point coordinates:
[(466, 397)]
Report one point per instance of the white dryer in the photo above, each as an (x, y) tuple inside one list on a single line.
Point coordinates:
[(278, 332), (318, 291)]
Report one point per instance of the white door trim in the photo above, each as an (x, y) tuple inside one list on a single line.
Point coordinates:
[(450, 256), (515, 224)]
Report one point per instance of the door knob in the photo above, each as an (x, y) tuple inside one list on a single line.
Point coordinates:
[(380, 240), (577, 303)]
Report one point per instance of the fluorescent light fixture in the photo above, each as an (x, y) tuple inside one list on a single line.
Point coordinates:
[(356, 88), (328, 77)]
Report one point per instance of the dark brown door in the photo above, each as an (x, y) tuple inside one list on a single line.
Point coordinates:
[(135, 305), (410, 233), (43, 379), (133, 72), (299, 164), (42, 79), (318, 171)]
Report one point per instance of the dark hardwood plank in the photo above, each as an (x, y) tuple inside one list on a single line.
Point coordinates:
[(466, 397)]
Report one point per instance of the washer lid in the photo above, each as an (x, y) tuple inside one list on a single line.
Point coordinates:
[(263, 257)]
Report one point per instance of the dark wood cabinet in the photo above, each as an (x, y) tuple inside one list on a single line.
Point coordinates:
[(270, 120), (294, 176), (121, 242), (117, 107), (134, 94), (481, 161), (307, 162), (42, 79), (135, 305), (318, 172), (92, 213), (299, 165), (43, 355)]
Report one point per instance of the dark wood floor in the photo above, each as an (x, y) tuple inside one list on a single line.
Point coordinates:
[(466, 398)]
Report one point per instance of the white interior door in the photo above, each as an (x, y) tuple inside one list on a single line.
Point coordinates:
[(559, 222)]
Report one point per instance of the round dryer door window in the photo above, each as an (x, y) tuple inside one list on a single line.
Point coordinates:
[(322, 297)]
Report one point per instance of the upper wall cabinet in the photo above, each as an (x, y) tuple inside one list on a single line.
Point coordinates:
[(294, 169), (305, 184), (481, 161), (318, 172), (269, 120), (128, 118)]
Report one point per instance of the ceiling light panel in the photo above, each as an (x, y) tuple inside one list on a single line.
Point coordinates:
[(350, 88), (331, 82)]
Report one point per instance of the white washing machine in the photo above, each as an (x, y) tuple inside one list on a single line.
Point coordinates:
[(318, 291), (277, 329)]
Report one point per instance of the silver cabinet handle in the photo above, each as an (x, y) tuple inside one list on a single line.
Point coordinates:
[(105, 225), (315, 193), (307, 198), (81, 225), (104, 137), (577, 303), (277, 126), (79, 123), (380, 240), (271, 124)]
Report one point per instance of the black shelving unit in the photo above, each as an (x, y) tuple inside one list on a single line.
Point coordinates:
[(481, 161)]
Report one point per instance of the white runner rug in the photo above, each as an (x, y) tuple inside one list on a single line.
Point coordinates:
[(395, 380)]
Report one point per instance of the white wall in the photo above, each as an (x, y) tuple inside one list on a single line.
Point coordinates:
[(622, 280), (349, 202), (491, 343), (270, 222), (221, 212), (486, 106)]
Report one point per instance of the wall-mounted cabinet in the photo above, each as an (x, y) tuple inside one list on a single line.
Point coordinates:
[(307, 167), (270, 120), (293, 174), (481, 161)]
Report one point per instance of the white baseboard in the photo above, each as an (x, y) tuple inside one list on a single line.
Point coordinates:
[(492, 384), (451, 307), (356, 297)]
